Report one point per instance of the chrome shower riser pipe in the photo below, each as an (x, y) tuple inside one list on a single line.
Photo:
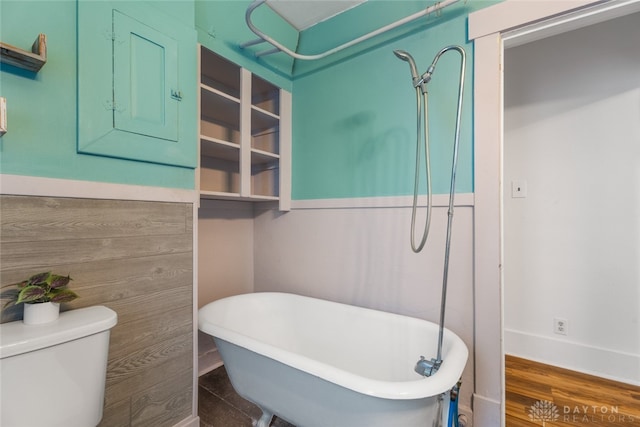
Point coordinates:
[(452, 189), (423, 366)]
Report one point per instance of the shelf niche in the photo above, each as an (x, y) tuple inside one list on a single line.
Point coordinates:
[(241, 129)]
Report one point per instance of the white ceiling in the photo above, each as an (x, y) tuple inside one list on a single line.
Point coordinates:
[(303, 14)]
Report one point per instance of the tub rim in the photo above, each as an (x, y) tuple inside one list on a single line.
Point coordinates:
[(442, 381)]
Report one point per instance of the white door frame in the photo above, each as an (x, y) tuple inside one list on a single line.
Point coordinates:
[(509, 23)]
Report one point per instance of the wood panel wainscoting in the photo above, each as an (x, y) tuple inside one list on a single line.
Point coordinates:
[(133, 257), (539, 394)]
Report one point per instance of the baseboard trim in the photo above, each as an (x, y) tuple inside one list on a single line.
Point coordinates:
[(209, 362), (189, 422), (486, 412), (601, 362)]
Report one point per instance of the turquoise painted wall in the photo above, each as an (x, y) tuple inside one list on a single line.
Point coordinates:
[(355, 121), (41, 140), (354, 124)]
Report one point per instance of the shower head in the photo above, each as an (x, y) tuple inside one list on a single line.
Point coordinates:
[(404, 55)]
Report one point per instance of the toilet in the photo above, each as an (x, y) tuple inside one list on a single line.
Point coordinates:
[(54, 374)]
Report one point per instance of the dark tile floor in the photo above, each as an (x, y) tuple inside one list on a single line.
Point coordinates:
[(220, 406)]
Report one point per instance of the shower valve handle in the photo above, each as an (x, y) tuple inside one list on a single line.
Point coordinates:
[(426, 368)]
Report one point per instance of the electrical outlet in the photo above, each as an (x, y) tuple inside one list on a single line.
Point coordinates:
[(560, 326)]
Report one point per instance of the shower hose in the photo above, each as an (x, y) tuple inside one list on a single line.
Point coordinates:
[(414, 206)]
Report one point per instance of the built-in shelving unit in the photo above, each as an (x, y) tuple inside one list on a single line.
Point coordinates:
[(31, 61), (245, 132)]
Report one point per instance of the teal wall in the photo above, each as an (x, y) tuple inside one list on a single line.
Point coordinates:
[(41, 140), (355, 121), (353, 114)]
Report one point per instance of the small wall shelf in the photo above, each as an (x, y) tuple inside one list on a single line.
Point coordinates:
[(31, 61)]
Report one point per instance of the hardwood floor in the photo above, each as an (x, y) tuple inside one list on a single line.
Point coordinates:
[(538, 394)]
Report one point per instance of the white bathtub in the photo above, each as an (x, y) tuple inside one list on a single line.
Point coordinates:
[(319, 363)]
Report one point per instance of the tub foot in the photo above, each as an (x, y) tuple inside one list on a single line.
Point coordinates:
[(265, 419)]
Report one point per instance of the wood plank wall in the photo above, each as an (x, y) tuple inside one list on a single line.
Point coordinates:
[(137, 259)]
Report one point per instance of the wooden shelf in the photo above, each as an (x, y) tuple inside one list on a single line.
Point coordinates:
[(31, 61), (221, 195), (211, 147), (259, 157), (242, 120)]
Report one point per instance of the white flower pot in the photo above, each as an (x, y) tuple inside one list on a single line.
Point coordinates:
[(39, 313)]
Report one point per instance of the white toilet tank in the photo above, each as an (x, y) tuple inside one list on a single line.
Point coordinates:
[(54, 374)]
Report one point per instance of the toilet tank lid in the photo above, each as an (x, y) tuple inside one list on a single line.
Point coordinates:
[(17, 338)]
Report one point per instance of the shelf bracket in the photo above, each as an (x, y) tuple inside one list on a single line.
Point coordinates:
[(31, 61)]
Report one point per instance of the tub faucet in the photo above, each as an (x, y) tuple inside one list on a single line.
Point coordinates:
[(426, 368)]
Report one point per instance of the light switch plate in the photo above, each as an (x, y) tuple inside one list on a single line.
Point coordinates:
[(519, 189)]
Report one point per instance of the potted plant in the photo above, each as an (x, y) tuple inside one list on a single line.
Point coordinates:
[(41, 295)]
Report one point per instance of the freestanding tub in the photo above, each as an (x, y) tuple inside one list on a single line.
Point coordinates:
[(318, 363)]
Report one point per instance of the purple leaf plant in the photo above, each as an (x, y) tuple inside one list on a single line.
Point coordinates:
[(43, 287)]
